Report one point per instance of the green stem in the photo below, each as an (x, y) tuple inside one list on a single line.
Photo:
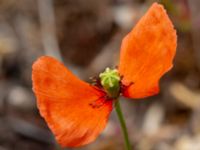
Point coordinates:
[(123, 124)]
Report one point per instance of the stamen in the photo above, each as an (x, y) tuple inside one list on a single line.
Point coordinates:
[(100, 102), (124, 87)]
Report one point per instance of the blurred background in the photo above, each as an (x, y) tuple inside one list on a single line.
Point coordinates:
[(86, 35)]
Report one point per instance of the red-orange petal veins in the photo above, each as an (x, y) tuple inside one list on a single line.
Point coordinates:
[(147, 53), (64, 102)]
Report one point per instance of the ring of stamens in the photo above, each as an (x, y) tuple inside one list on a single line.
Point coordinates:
[(105, 98)]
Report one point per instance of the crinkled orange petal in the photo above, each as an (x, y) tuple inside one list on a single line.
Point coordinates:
[(147, 53), (64, 102)]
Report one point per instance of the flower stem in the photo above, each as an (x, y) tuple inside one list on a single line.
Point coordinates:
[(123, 124)]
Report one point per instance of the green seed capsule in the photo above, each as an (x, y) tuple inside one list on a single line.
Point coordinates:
[(110, 80)]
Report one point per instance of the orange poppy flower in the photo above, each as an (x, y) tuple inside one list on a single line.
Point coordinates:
[(76, 111)]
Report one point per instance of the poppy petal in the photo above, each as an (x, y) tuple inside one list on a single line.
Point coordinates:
[(65, 103), (147, 53)]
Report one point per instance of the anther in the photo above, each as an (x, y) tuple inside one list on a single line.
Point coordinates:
[(98, 103)]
